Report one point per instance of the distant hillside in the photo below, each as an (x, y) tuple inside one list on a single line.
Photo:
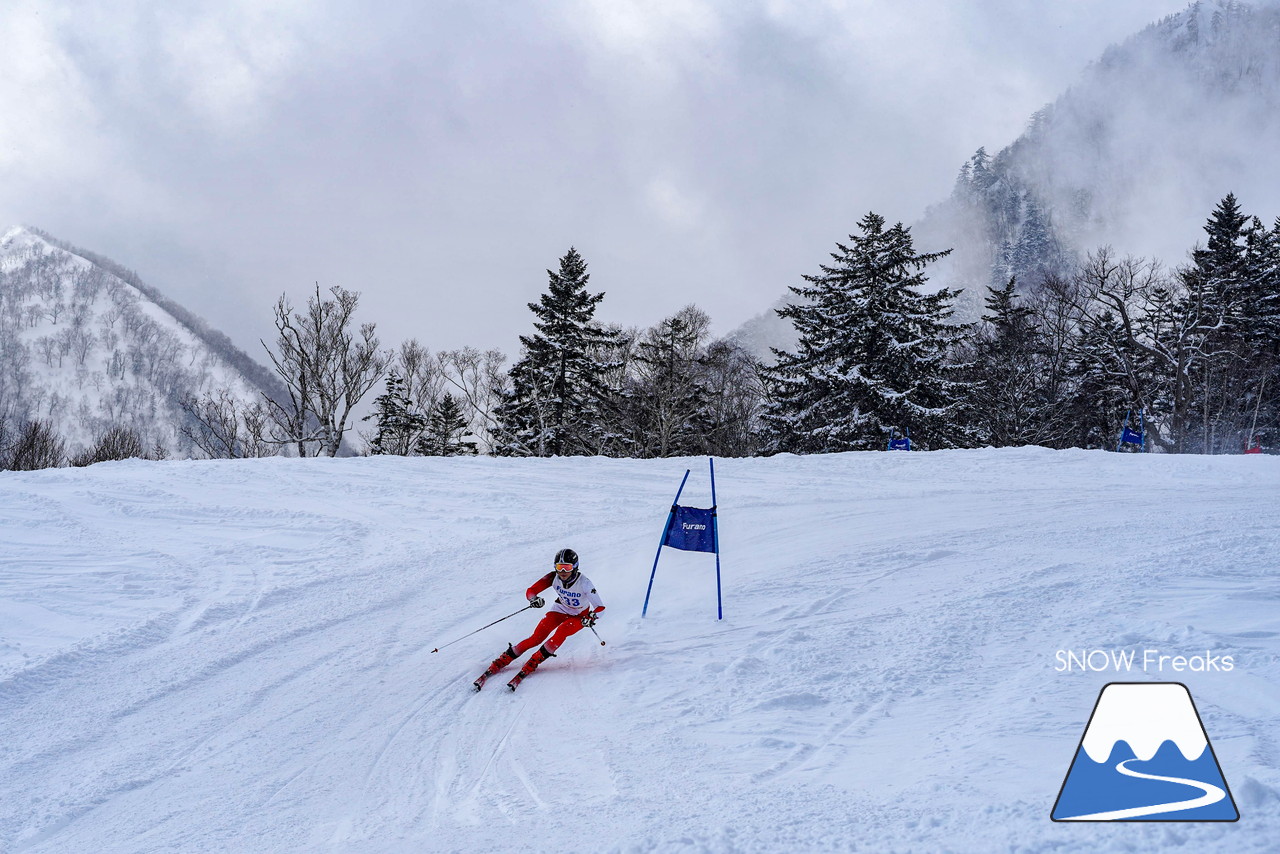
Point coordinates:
[(1134, 156), (85, 344)]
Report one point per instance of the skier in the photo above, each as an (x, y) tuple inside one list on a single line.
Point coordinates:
[(575, 608)]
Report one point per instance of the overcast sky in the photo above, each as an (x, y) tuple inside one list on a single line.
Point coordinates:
[(438, 157)]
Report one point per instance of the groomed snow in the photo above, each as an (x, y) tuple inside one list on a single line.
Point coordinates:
[(236, 656)]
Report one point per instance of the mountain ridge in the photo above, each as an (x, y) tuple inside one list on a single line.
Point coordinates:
[(86, 345), (1134, 155)]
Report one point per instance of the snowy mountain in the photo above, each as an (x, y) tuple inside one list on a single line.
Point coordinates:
[(237, 655), (1135, 156), (88, 346)]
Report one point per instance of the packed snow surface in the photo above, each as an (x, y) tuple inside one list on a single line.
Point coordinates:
[(237, 656)]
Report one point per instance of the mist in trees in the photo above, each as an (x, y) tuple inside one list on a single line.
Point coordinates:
[(1192, 350)]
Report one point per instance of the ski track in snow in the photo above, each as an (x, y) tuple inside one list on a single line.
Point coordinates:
[(236, 656)]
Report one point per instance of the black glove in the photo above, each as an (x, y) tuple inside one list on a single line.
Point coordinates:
[(536, 602), (588, 620)]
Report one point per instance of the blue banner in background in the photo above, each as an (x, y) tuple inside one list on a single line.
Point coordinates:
[(692, 529), (1131, 436)]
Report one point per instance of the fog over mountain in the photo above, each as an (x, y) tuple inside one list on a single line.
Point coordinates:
[(1135, 156), (439, 157)]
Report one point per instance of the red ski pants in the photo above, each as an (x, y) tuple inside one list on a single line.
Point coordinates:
[(555, 625)]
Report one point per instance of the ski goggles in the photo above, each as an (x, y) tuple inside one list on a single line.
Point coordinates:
[(564, 567)]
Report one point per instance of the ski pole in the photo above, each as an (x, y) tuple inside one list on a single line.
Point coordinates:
[(482, 628), (597, 634)]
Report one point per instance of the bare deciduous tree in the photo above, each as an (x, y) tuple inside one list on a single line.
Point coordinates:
[(114, 443), (225, 428), (326, 367), (477, 380), (37, 446)]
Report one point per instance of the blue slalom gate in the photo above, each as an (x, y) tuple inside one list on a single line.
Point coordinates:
[(691, 529), (1130, 436), (900, 443)]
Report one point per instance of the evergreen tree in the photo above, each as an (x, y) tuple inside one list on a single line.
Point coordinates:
[(669, 399), (1036, 252), (1217, 285), (400, 424), (872, 352), (1260, 311), (446, 431), (980, 175), (560, 399), (1012, 400)]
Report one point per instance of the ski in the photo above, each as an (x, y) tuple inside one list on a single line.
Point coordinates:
[(515, 680), (479, 683)]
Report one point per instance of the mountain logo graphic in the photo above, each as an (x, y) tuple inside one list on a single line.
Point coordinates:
[(1145, 756)]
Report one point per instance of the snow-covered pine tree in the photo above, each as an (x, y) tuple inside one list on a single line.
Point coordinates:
[(400, 425), (1012, 402), (980, 175), (1260, 311), (1217, 284), (1036, 252), (446, 434), (560, 400), (872, 352)]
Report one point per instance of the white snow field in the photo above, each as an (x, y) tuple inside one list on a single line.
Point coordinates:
[(236, 656)]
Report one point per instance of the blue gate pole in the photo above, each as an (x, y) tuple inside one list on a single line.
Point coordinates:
[(715, 536), (1120, 441), (1142, 426), (665, 528)]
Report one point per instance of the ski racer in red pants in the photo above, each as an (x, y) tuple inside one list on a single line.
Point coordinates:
[(575, 608)]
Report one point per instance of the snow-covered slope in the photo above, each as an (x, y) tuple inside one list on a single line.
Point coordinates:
[(236, 656), (84, 347)]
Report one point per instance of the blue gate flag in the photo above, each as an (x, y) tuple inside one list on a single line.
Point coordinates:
[(692, 529), (1130, 436)]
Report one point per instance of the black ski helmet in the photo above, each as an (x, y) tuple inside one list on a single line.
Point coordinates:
[(567, 556)]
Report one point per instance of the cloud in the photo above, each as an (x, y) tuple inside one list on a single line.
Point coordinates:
[(46, 103), (439, 157)]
